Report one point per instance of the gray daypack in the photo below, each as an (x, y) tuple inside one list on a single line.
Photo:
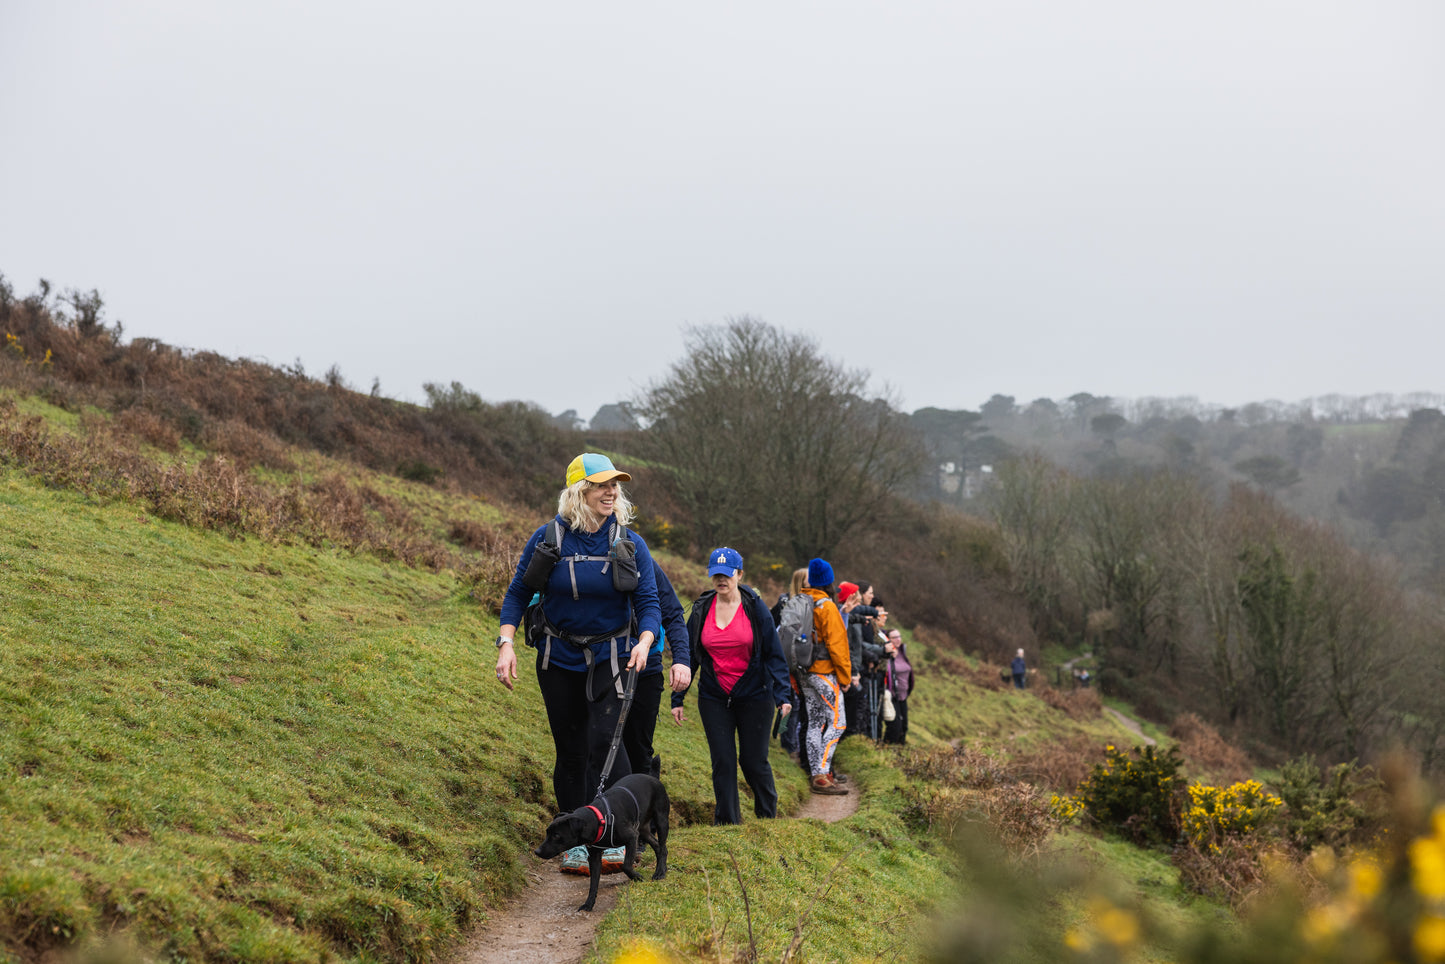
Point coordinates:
[(795, 632)]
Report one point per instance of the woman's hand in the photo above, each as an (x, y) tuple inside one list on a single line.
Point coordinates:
[(638, 660), (681, 677), (678, 716), (506, 665), (785, 709)]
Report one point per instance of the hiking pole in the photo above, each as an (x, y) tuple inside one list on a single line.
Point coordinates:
[(629, 690)]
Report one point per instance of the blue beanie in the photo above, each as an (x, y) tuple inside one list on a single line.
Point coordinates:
[(820, 574)]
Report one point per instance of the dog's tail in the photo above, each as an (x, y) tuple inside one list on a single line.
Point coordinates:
[(656, 768)]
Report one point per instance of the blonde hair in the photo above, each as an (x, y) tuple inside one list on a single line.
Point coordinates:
[(573, 508), (800, 579)]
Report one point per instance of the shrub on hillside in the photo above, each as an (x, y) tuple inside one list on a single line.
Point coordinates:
[(1021, 814), (1138, 798), (207, 396), (953, 766), (1232, 870), (1333, 807), (1208, 752), (244, 444), (1217, 813), (1061, 764), (1077, 704), (149, 427), (216, 494)]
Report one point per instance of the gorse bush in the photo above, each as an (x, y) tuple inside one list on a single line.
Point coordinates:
[(1138, 797), (1327, 807), (1235, 811)]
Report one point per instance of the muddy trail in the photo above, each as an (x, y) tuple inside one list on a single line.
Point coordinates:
[(543, 925)]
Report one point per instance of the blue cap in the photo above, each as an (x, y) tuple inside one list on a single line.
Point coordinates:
[(724, 562), (820, 574)]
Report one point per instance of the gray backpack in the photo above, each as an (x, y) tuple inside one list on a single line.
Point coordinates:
[(795, 632)]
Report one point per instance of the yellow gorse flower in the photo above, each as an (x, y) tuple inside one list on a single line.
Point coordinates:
[(641, 953), (1429, 938), (1427, 867), (1229, 811)]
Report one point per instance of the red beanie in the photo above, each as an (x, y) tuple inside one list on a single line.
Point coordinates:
[(846, 589)]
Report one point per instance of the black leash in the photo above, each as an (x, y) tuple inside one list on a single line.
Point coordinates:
[(628, 692)]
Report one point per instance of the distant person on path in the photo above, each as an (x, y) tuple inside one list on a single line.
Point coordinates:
[(825, 681), (900, 686), (1019, 670), (597, 617), (741, 680)]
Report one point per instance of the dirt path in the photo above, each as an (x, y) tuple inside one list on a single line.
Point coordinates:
[(1131, 725), (542, 925)]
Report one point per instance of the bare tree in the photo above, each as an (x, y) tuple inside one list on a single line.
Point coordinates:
[(771, 444), (1033, 505)]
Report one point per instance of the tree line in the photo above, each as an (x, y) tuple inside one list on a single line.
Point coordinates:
[(1229, 606), (1196, 589)]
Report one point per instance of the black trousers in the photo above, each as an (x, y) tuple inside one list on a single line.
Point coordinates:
[(738, 735), (581, 733), (853, 710), (642, 721), (896, 729)]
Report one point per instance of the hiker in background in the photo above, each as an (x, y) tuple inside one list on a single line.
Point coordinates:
[(824, 682), (741, 680), (860, 701), (641, 723), (594, 578), (849, 599), (788, 738), (1018, 669), (800, 578), (899, 685)]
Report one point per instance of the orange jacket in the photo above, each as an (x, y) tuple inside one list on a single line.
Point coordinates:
[(829, 630)]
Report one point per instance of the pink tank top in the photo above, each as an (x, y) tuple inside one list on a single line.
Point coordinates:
[(731, 647)]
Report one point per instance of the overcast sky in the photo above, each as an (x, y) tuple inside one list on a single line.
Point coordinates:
[(1234, 200)]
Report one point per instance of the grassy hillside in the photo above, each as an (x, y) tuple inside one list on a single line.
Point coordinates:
[(247, 713), (229, 747)]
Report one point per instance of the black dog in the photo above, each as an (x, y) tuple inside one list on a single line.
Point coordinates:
[(633, 809)]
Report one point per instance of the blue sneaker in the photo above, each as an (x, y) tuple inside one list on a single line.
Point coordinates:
[(612, 860), (574, 861)]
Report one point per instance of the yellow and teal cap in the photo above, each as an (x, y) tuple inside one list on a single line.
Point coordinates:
[(594, 468)]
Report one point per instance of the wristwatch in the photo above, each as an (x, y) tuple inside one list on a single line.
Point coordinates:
[(503, 639)]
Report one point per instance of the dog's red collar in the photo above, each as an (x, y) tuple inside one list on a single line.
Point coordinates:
[(601, 823)]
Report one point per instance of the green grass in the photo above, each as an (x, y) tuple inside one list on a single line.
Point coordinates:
[(225, 743), (861, 889), (240, 750), (949, 708), (229, 749)]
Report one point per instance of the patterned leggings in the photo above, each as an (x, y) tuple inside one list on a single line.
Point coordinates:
[(826, 720)]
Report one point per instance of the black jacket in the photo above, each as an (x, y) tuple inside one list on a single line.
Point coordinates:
[(766, 677)]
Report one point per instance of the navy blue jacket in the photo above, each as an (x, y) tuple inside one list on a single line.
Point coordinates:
[(674, 622), (766, 677), (592, 606)]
